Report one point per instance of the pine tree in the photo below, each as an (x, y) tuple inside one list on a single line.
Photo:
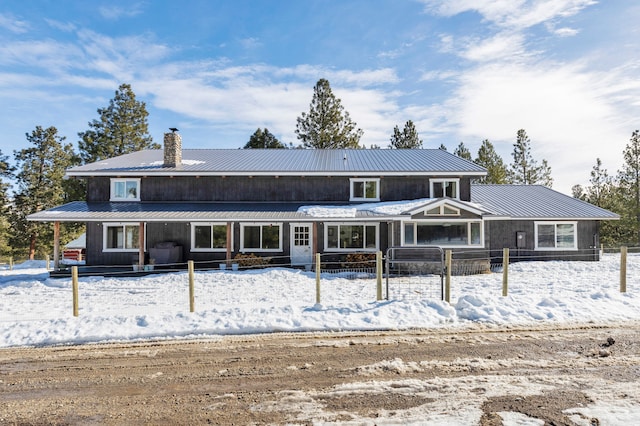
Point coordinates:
[(6, 172), (122, 128), (407, 139), (263, 139), (524, 169), (462, 151), (327, 125), (490, 160), (629, 178), (40, 185)]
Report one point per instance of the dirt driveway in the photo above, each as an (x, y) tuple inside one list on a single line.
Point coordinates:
[(480, 376)]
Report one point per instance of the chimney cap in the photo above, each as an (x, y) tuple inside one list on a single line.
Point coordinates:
[(173, 129)]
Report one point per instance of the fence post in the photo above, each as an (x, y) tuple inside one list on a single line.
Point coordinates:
[(505, 271), (623, 269), (317, 278), (74, 285), (192, 298), (46, 259), (447, 281), (11, 263), (379, 275)]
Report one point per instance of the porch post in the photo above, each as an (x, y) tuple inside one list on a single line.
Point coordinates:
[(56, 246), (314, 249), (229, 229), (141, 245)]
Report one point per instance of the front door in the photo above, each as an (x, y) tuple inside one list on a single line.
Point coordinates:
[(301, 244)]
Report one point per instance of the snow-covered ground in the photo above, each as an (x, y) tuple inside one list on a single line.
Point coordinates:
[(37, 310)]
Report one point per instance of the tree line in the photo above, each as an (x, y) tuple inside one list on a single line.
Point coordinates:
[(121, 127)]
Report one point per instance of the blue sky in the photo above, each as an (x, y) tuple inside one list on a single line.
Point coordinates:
[(567, 71)]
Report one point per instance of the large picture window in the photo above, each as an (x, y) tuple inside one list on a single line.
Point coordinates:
[(445, 188), (442, 234), (556, 236), (365, 190), (125, 189), (261, 237), (347, 236), (209, 237), (121, 237)]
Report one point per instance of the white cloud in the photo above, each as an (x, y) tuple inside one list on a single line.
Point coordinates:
[(504, 45), (13, 24), (514, 14), (115, 12), (571, 114)]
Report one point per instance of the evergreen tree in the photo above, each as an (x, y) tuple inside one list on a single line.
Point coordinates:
[(122, 128), (407, 139), (6, 172), (524, 169), (462, 151), (629, 179), (40, 185), (327, 125), (604, 193), (490, 160), (263, 139), (442, 147)]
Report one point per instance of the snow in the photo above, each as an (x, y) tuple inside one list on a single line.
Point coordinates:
[(390, 208), (36, 310)]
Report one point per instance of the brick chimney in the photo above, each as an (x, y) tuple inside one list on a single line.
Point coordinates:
[(172, 149)]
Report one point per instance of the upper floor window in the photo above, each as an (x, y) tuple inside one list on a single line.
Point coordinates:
[(125, 190), (556, 236), (365, 190), (445, 188)]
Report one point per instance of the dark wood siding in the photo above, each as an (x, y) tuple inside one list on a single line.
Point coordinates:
[(267, 188), (503, 234)]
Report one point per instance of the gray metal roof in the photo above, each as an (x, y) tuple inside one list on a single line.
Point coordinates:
[(80, 211), (535, 202), (373, 162)]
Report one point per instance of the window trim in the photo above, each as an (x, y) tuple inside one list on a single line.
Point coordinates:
[(555, 235), (211, 225), (112, 196), (444, 180), (352, 197), (244, 249), (376, 225), (441, 222), (105, 229)]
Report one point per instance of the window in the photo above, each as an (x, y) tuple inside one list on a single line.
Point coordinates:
[(125, 189), (442, 233), (346, 236), (365, 190), (261, 237), (443, 210), (556, 236), (209, 237), (121, 237), (444, 188)]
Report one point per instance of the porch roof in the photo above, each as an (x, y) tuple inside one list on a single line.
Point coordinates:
[(531, 202), (80, 211)]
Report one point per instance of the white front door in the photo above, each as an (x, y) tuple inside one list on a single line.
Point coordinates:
[(301, 244)]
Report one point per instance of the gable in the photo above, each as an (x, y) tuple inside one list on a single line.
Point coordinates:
[(446, 208)]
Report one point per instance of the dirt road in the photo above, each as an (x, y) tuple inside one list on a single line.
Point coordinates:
[(466, 377)]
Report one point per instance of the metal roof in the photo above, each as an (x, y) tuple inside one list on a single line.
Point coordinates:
[(371, 162), (80, 211), (535, 202)]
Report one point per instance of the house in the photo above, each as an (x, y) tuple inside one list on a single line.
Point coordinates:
[(208, 205)]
